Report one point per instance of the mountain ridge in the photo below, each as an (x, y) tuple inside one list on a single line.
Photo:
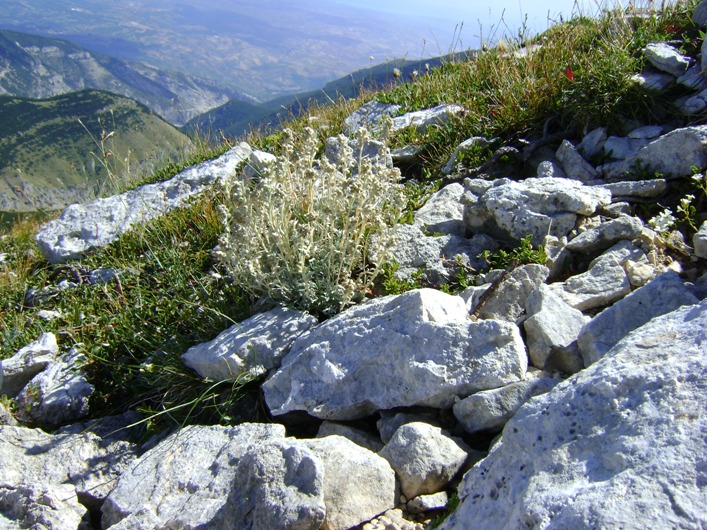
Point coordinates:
[(41, 67)]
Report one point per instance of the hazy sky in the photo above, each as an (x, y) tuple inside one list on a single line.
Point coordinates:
[(485, 16), (470, 11)]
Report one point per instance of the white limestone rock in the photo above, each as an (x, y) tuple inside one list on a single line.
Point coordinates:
[(552, 328), (617, 209), (616, 445), (664, 294), (699, 15), (699, 287), (550, 206), (640, 273), (477, 187), (490, 410), (605, 282), (558, 257), (653, 80), (358, 484), (622, 147), (548, 168), (393, 520), (422, 119), (278, 484), (390, 421), (646, 132), (418, 348), (408, 154), (672, 155), (19, 369), (44, 314), (614, 171), (574, 165), (87, 463), (507, 302), (58, 395), (601, 285), (699, 241), (435, 256), (690, 105), (666, 58), (82, 227), (103, 276), (472, 295), (185, 480), (592, 144), (630, 189), (258, 162), (425, 458), (428, 503), (369, 116), (443, 213), (703, 61), (693, 78), (252, 347), (54, 507), (606, 235)]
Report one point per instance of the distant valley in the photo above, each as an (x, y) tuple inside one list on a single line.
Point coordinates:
[(262, 48)]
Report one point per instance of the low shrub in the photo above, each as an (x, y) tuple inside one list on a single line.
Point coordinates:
[(300, 234)]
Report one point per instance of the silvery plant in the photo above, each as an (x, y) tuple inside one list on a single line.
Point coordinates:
[(302, 232)]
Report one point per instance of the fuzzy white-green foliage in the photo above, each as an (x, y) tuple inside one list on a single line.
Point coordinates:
[(301, 233)]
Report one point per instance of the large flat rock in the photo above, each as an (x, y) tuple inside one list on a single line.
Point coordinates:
[(621, 444), (251, 347), (45, 478), (550, 206), (662, 295), (418, 348), (184, 481)]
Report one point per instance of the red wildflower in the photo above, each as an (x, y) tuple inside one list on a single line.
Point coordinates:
[(569, 73)]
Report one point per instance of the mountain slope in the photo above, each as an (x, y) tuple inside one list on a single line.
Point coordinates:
[(41, 67), (51, 151), (238, 117)]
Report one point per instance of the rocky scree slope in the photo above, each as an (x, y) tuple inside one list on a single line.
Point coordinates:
[(591, 366)]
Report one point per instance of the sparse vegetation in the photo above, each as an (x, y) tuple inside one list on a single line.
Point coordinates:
[(301, 237), (391, 284), (689, 208), (452, 505), (522, 254)]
